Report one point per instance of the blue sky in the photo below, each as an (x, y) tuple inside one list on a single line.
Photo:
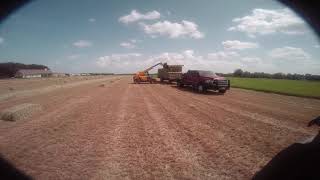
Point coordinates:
[(126, 36)]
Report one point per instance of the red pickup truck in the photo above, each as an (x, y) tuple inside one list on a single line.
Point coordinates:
[(204, 80)]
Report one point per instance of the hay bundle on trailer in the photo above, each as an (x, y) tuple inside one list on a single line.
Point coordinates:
[(174, 68), (170, 73)]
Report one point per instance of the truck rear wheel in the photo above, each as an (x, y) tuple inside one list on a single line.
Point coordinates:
[(222, 91)]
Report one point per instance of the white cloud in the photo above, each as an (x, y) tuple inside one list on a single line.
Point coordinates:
[(223, 55), (1, 40), (251, 60), (188, 58), (264, 21), (74, 56), (316, 46), (133, 62), (127, 45), (188, 53), (238, 45), (137, 16), (117, 59), (225, 61), (289, 53), (92, 20), (173, 29), (82, 44), (130, 44), (220, 61)]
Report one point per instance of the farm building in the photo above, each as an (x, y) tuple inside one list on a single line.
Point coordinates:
[(59, 75), (33, 73)]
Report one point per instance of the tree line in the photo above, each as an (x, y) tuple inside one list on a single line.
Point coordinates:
[(295, 76), (9, 69)]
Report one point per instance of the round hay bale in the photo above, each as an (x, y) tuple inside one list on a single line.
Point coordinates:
[(20, 112)]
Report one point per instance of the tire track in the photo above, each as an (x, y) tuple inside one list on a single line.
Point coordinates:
[(278, 124), (210, 143), (233, 124), (185, 163)]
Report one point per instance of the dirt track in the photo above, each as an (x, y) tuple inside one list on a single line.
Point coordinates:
[(152, 131)]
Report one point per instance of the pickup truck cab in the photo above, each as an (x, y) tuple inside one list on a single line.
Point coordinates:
[(203, 81)]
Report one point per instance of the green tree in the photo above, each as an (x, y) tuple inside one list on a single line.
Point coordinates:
[(238, 73)]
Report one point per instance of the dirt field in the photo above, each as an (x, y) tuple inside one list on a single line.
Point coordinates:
[(151, 131)]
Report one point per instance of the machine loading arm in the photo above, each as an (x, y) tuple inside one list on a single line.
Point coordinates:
[(148, 69)]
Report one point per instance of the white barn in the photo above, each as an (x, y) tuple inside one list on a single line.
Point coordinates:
[(33, 73)]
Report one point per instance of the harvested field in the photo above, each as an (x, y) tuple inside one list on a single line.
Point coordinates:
[(11, 85), (30, 87), (151, 131)]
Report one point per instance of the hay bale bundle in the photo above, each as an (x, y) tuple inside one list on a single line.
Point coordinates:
[(174, 68), (20, 112)]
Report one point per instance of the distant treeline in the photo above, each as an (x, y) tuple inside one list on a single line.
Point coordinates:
[(9, 69), (246, 74)]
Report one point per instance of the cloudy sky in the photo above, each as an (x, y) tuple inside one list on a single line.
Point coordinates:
[(126, 36)]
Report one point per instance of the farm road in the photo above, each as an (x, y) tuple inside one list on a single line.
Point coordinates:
[(152, 131)]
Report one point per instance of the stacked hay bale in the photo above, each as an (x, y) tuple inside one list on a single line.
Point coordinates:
[(174, 68), (20, 112), (170, 72)]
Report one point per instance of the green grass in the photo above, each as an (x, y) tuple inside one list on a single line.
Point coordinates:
[(288, 87)]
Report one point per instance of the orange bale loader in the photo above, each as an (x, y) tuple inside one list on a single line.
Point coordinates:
[(143, 76)]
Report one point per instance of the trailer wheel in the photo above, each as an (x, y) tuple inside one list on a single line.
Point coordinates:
[(222, 91), (161, 80), (180, 84)]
